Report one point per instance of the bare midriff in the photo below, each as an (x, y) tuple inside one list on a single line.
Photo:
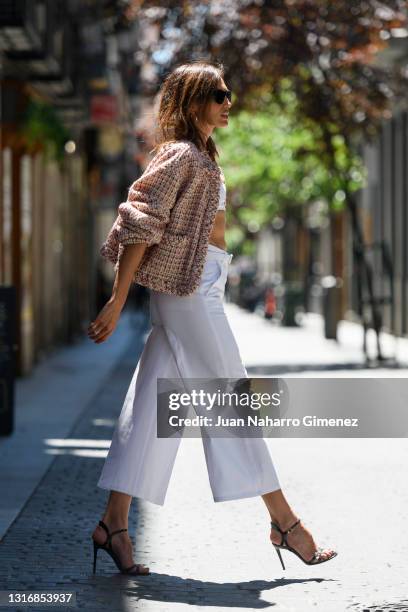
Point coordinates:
[(217, 235)]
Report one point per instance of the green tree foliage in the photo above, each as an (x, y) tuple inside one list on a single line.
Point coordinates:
[(328, 49), (274, 163), (41, 126)]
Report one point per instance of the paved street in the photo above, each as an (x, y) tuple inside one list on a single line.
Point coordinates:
[(350, 493)]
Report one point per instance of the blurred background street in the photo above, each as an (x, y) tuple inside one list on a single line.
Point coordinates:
[(315, 158)]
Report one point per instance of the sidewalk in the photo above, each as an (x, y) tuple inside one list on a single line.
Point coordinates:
[(304, 351), (202, 555), (47, 405)]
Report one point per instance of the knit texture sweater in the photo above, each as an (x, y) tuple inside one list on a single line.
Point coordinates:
[(171, 207)]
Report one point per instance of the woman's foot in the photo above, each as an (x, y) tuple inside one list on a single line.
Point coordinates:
[(121, 545), (300, 539)]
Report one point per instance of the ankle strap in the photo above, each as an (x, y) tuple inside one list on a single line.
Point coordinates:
[(102, 524), (284, 534), (292, 526), (275, 526)]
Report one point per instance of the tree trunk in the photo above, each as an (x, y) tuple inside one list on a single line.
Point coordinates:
[(365, 276)]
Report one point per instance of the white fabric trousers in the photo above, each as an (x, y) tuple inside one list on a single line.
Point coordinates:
[(190, 338)]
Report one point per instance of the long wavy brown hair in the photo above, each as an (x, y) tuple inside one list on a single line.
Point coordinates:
[(188, 84)]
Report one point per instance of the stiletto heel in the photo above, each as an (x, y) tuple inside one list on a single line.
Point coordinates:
[(280, 556), (95, 553), (108, 547), (317, 555)]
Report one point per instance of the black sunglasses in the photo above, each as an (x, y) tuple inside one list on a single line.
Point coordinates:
[(219, 95)]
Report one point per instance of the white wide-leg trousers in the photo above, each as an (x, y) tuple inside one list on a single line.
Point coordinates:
[(190, 338)]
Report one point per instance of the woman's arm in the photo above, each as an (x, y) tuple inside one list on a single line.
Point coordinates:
[(127, 268), (105, 323)]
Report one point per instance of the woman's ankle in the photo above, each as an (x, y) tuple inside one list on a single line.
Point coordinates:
[(115, 522), (284, 520)]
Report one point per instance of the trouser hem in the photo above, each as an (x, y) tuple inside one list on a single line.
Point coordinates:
[(232, 496), (127, 492), (217, 498)]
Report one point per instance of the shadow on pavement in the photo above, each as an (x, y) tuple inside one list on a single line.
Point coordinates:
[(173, 589)]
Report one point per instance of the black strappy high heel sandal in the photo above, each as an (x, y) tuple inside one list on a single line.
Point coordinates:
[(317, 556), (108, 547)]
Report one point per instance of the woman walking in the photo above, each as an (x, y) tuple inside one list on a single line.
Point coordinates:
[(170, 237)]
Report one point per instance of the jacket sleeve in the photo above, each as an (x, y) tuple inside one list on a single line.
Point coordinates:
[(146, 212)]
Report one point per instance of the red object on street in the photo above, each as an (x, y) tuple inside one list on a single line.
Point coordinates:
[(270, 303), (104, 108)]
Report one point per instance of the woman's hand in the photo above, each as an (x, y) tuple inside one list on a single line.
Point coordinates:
[(104, 324)]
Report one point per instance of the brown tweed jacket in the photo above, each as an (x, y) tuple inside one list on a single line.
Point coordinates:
[(171, 208)]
